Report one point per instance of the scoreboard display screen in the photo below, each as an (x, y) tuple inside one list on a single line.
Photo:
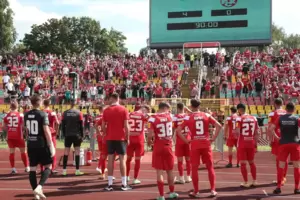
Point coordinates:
[(230, 22)]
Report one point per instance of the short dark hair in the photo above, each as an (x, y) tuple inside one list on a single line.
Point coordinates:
[(163, 105), (241, 106), (195, 103), (278, 102), (233, 109), (180, 106), (114, 96), (47, 102), (290, 107), (35, 99)]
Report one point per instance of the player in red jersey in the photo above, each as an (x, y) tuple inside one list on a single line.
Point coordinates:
[(182, 150), (198, 123), (99, 133), (13, 124), (274, 134), (247, 131), (137, 121), (231, 139), (162, 156), (53, 126)]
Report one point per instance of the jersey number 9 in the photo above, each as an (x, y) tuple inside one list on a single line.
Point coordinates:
[(199, 127)]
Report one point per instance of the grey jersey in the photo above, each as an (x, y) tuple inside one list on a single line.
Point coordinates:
[(72, 120), (289, 125)]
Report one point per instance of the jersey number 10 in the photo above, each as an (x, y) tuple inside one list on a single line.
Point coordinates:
[(33, 127)]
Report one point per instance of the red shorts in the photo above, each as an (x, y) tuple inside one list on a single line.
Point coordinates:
[(135, 149), (13, 143), (205, 154), (163, 157), (274, 148), (289, 149), (231, 142), (182, 150), (246, 153)]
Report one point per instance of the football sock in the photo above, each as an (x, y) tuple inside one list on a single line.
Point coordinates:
[(99, 163), (297, 177), (103, 163), (65, 162), (12, 160), (237, 157), (285, 169), (180, 168), (54, 162), (211, 175), (195, 178), (24, 159), (124, 180), (244, 172), (128, 162), (230, 159), (253, 171), (45, 175), (110, 180), (160, 185), (77, 160), (188, 167), (171, 188), (279, 177), (277, 164), (32, 179), (137, 167)]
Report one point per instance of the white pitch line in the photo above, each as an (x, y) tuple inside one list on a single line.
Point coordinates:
[(264, 191)]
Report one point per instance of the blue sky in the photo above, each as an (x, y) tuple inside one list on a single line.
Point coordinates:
[(129, 16)]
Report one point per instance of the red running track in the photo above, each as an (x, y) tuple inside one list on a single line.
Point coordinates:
[(90, 187)]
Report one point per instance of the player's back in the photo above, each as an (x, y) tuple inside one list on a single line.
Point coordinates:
[(52, 119), (161, 123), (248, 127), (71, 119), (231, 122), (136, 123), (289, 125), (14, 124), (34, 121), (178, 119), (198, 124), (274, 117)]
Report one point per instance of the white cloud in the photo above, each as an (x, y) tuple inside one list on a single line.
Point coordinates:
[(26, 16)]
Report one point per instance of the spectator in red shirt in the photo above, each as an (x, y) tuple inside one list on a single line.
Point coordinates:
[(116, 130)]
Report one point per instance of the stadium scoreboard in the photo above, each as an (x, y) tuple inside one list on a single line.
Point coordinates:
[(230, 22)]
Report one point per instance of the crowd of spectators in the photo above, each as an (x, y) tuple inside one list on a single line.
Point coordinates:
[(265, 75), (135, 78)]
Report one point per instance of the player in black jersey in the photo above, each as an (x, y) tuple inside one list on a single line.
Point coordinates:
[(39, 144)]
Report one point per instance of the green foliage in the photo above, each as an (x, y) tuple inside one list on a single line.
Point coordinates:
[(8, 32), (74, 35)]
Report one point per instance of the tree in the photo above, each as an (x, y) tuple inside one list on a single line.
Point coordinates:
[(8, 32), (73, 35)]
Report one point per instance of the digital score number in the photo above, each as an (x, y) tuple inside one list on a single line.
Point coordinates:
[(207, 25)]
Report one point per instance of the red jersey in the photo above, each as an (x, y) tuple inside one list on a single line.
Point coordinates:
[(273, 116), (52, 120), (14, 123), (177, 121), (248, 128), (198, 124), (161, 124), (114, 117), (98, 126), (136, 123), (231, 123)]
